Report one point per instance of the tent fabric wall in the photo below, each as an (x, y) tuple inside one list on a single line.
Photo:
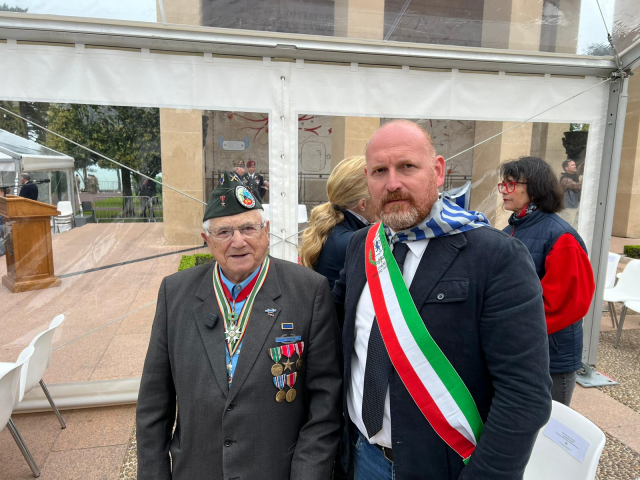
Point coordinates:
[(285, 89)]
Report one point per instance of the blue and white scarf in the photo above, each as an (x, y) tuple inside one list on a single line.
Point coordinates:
[(448, 216)]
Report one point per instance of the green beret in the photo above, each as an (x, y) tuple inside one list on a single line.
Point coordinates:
[(230, 197)]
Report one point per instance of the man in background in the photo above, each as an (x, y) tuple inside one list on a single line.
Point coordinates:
[(29, 189), (238, 169), (254, 181), (570, 181)]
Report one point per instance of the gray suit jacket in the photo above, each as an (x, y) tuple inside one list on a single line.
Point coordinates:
[(241, 432)]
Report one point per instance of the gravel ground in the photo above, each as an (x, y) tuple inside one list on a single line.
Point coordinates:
[(129, 469), (618, 462), (622, 365)]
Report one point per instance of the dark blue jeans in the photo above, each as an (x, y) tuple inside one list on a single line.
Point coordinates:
[(369, 462)]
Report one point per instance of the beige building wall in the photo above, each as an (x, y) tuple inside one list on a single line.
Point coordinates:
[(359, 19), (181, 149), (355, 19), (350, 136), (626, 221), (486, 162), (183, 169)]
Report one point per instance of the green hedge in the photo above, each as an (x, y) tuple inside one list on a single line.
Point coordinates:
[(632, 251), (198, 259)]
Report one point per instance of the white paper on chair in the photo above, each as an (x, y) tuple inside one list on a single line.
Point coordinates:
[(570, 441)]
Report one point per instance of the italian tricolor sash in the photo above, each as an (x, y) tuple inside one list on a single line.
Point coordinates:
[(431, 380)]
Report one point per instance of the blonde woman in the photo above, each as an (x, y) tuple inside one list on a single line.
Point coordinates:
[(324, 243)]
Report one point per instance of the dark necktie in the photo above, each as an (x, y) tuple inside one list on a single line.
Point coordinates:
[(378, 366)]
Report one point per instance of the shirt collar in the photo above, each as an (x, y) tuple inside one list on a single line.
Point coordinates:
[(417, 247), (235, 289), (358, 216)]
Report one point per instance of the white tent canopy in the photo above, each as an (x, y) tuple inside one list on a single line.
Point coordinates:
[(33, 156)]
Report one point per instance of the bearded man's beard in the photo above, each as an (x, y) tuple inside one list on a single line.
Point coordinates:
[(397, 218)]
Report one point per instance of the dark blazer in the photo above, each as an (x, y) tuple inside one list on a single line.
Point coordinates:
[(481, 301), (241, 432), (331, 258), (255, 184), (29, 190)]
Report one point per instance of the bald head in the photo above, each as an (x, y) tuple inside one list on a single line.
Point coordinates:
[(402, 131), (403, 173)]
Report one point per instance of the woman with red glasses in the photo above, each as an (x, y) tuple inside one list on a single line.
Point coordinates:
[(530, 189)]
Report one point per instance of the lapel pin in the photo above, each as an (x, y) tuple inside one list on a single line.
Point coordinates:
[(270, 311), (288, 339), (287, 326)]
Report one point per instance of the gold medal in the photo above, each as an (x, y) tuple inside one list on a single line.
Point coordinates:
[(291, 395), (299, 363), (280, 396), (276, 369)]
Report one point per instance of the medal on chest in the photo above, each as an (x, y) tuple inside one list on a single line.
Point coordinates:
[(235, 324)]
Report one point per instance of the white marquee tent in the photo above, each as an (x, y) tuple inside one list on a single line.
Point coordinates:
[(163, 65)]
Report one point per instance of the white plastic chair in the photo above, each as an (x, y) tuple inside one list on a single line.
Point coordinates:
[(65, 217), (40, 361), (10, 386), (550, 461), (610, 282), (627, 288), (628, 305)]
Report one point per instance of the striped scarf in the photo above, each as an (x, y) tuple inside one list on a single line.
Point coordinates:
[(448, 216)]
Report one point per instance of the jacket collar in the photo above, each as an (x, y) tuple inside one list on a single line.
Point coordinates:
[(528, 220)]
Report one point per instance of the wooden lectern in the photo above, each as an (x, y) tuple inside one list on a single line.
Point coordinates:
[(28, 249)]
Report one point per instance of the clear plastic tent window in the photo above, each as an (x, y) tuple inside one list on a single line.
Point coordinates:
[(202, 112)]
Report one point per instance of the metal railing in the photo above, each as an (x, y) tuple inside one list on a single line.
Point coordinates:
[(127, 209)]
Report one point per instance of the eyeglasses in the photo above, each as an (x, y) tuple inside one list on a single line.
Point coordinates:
[(248, 230), (509, 186)]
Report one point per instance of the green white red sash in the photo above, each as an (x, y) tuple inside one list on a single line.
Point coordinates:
[(431, 380), (236, 325)]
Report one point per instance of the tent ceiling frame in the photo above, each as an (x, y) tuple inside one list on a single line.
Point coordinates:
[(106, 33)]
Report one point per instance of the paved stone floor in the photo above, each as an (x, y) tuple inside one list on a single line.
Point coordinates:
[(105, 335)]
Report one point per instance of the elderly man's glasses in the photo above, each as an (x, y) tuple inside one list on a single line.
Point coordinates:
[(508, 187), (248, 230)]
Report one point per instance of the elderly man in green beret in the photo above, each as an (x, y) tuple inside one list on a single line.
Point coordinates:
[(248, 347)]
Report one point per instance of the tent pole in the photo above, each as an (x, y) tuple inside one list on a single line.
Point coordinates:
[(605, 206)]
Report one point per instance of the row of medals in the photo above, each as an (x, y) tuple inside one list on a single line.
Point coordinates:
[(290, 395)]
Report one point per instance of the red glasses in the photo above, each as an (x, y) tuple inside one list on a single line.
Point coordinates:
[(509, 186)]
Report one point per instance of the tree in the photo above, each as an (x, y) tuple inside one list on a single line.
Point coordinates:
[(34, 111), (129, 135), (6, 8)]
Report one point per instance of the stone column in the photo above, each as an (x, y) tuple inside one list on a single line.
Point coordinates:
[(350, 135), (486, 161), (359, 19), (514, 27), (626, 222), (181, 150), (355, 19), (183, 169)]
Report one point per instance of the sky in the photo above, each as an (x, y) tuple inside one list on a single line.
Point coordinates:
[(138, 10)]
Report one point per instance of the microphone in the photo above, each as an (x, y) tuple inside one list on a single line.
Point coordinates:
[(46, 180), (211, 321)]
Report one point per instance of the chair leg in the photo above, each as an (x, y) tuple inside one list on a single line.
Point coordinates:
[(23, 448), (623, 314), (614, 315), (53, 405)]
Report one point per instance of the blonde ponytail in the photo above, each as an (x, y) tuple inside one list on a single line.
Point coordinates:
[(346, 186)]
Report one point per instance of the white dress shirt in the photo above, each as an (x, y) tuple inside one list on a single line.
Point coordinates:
[(364, 321)]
